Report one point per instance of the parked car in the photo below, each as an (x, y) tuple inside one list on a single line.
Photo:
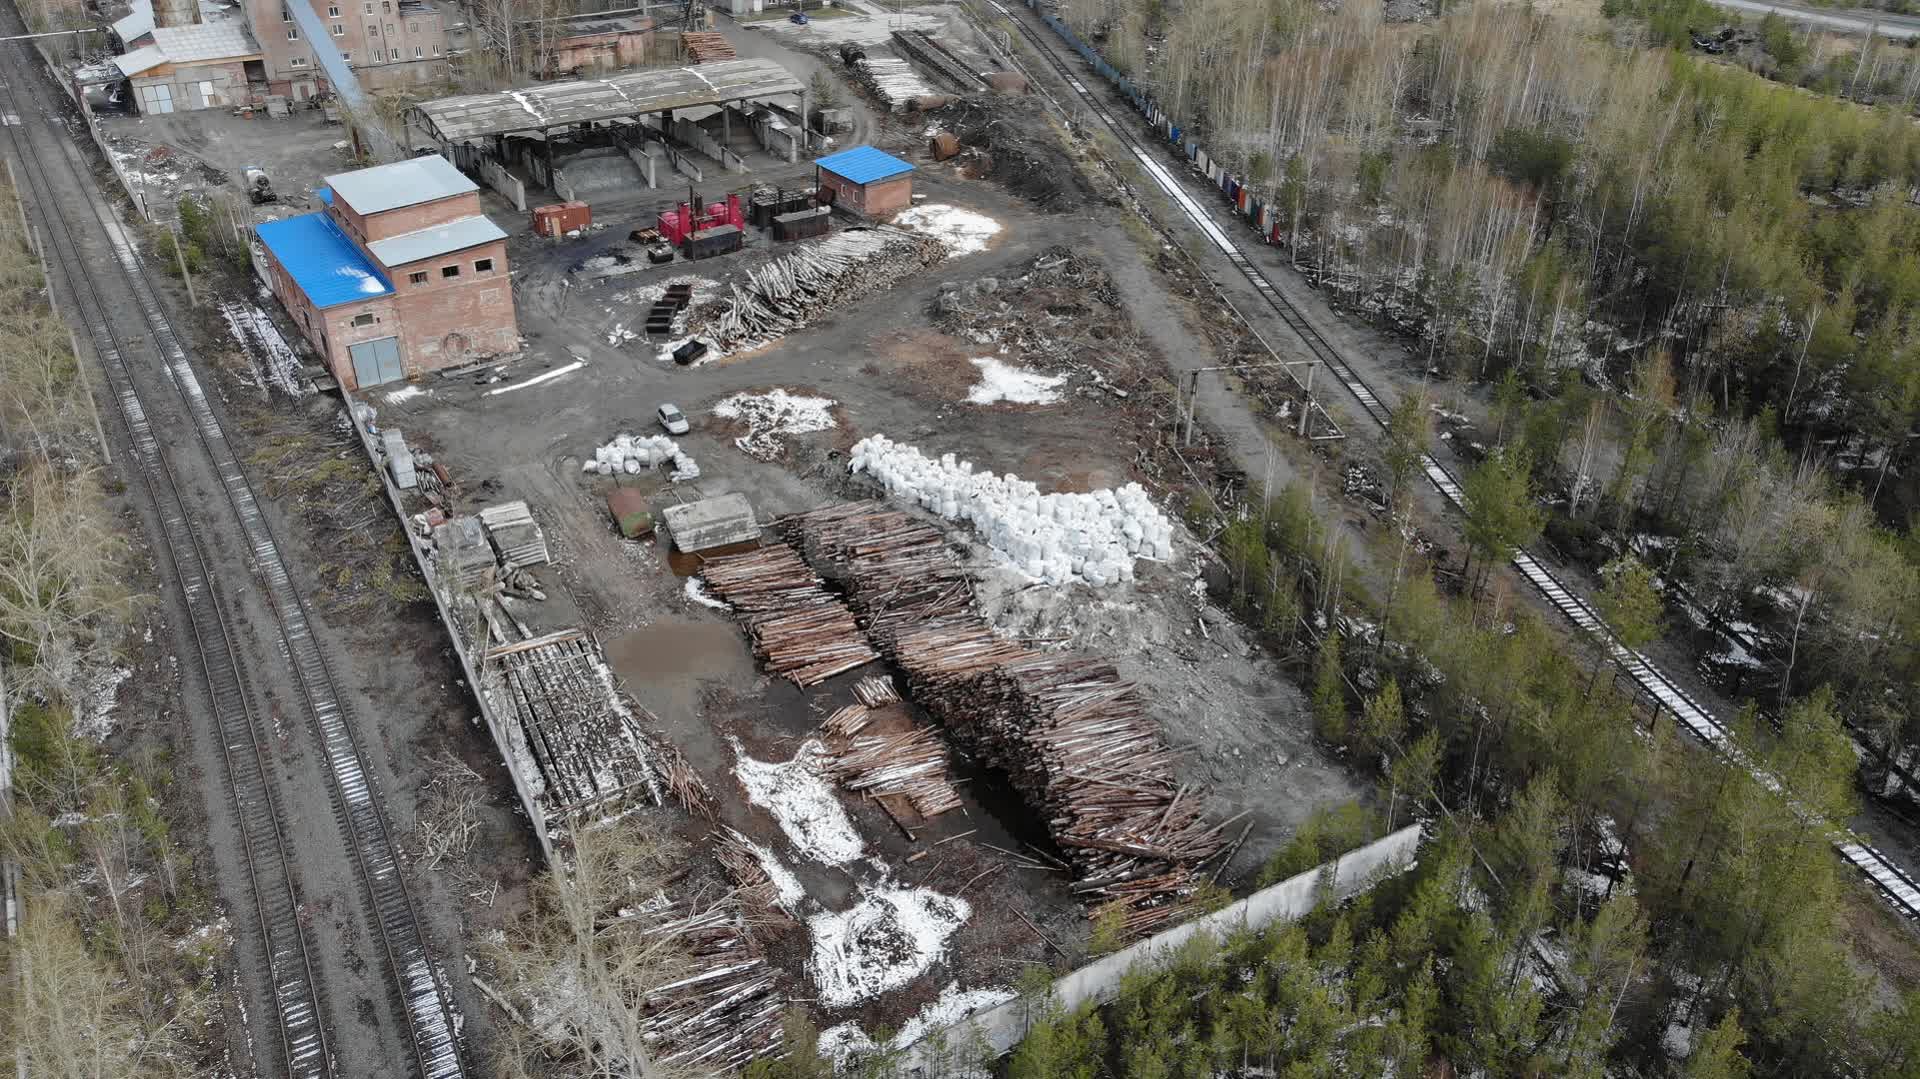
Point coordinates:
[(672, 419)]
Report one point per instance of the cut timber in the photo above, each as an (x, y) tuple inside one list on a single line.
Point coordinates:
[(799, 629), (711, 522), (705, 46), (790, 291)]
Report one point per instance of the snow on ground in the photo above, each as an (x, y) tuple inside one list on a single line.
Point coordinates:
[(803, 803), (1005, 382), (697, 593), (273, 360), (538, 379), (404, 393), (772, 414), (963, 231), (889, 938), (846, 1044), (94, 718)]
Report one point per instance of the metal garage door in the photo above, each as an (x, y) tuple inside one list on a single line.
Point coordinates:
[(375, 362)]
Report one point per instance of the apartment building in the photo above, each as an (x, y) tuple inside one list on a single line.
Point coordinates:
[(387, 43)]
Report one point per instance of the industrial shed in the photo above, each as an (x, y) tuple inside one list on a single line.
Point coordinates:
[(866, 181)]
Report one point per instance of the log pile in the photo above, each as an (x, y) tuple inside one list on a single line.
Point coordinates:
[(754, 888), (705, 46), (786, 293), (725, 1011), (912, 764), (800, 630), (1072, 734), (876, 691)]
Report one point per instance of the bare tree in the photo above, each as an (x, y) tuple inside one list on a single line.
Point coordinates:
[(59, 579)]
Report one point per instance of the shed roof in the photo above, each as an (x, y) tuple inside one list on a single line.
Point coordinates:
[(205, 41), (578, 101), (322, 261), (438, 240), (144, 58), (403, 183), (864, 165), (138, 22)]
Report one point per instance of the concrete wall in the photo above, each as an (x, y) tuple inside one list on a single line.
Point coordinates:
[(695, 136), (776, 136), (1001, 1028), (496, 176)]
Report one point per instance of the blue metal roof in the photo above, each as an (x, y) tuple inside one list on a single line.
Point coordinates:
[(324, 194), (322, 261), (864, 164)]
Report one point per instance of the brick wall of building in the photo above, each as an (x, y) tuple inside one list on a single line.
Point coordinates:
[(387, 42), (451, 320), (883, 198), (367, 229), (332, 331)]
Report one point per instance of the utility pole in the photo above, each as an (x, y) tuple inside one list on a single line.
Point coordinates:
[(180, 253)]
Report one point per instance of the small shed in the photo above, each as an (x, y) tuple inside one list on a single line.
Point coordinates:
[(866, 180), (711, 522)]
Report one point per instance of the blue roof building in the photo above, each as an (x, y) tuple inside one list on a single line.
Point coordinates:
[(322, 261), (866, 181)]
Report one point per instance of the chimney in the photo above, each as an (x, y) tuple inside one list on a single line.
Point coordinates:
[(177, 12)]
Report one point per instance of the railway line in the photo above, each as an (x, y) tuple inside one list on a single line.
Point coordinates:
[(124, 320), (1893, 884)]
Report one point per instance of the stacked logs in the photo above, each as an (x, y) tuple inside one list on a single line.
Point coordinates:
[(786, 293), (725, 1011), (706, 46), (800, 630), (1072, 734), (912, 764)]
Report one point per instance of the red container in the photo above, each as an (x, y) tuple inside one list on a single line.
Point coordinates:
[(561, 218)]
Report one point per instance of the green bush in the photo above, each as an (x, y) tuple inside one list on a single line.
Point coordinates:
[(1326, 834)]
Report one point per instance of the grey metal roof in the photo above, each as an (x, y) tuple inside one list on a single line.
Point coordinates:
[(403, 183), (144, 58), (438, 240), (206, 41), (554, 104)]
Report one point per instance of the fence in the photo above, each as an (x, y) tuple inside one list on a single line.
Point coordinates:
[(1000, 1028)]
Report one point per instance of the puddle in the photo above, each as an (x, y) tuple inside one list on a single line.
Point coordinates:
[(663, 665), (686, 565)]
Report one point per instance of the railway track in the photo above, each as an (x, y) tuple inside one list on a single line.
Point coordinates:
[(1894, 884), (100, 290)]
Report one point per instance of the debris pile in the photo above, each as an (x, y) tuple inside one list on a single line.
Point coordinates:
[(1012, 141), (784, 294), (1057, 538), (634, 455), (725, 1011), (1074, 737), (772, 414), (800, 630), (516, 535), (886, 940)]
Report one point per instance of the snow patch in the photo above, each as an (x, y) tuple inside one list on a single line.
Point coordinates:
[(772, 414), (405, 393), (802, 803), (963, 231), (791, 892), (93, 720), (697, 593), (1004, 382), (846, 1044), (889, 938)]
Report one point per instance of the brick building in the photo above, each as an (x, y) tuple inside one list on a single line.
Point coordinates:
[(386, 42), (866, 181), (401, 274), (590, 45), (202, 66)]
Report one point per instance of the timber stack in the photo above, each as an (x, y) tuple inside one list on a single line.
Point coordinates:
[(800, 630), (1071, 733), (725, 1011), (790, 291), (706, 46)]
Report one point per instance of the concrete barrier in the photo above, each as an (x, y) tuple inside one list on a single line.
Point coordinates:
[(998, 1029), (496, 176)]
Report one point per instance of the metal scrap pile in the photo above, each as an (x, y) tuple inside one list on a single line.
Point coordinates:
[(799, 629), (1074, 737), (788, 292)]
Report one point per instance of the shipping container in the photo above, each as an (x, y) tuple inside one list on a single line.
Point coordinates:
[(561, 218)]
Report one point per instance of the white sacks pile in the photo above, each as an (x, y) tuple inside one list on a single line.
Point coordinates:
[(633, 456), (1056, 537)]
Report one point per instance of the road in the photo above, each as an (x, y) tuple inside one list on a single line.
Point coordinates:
[(1843, 20)]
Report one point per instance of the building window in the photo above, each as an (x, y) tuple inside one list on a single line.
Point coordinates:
[(393, 54), (436, 50), (339, 31), (363, 319), (483, 266), (413, 28), (417, 277), (416, 52), (293, 33), (373, 29), (449, 271), (387, 6), (285, 15), (333, 12), (389, 29), (346, 58), (369, 9), (298, 61)]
